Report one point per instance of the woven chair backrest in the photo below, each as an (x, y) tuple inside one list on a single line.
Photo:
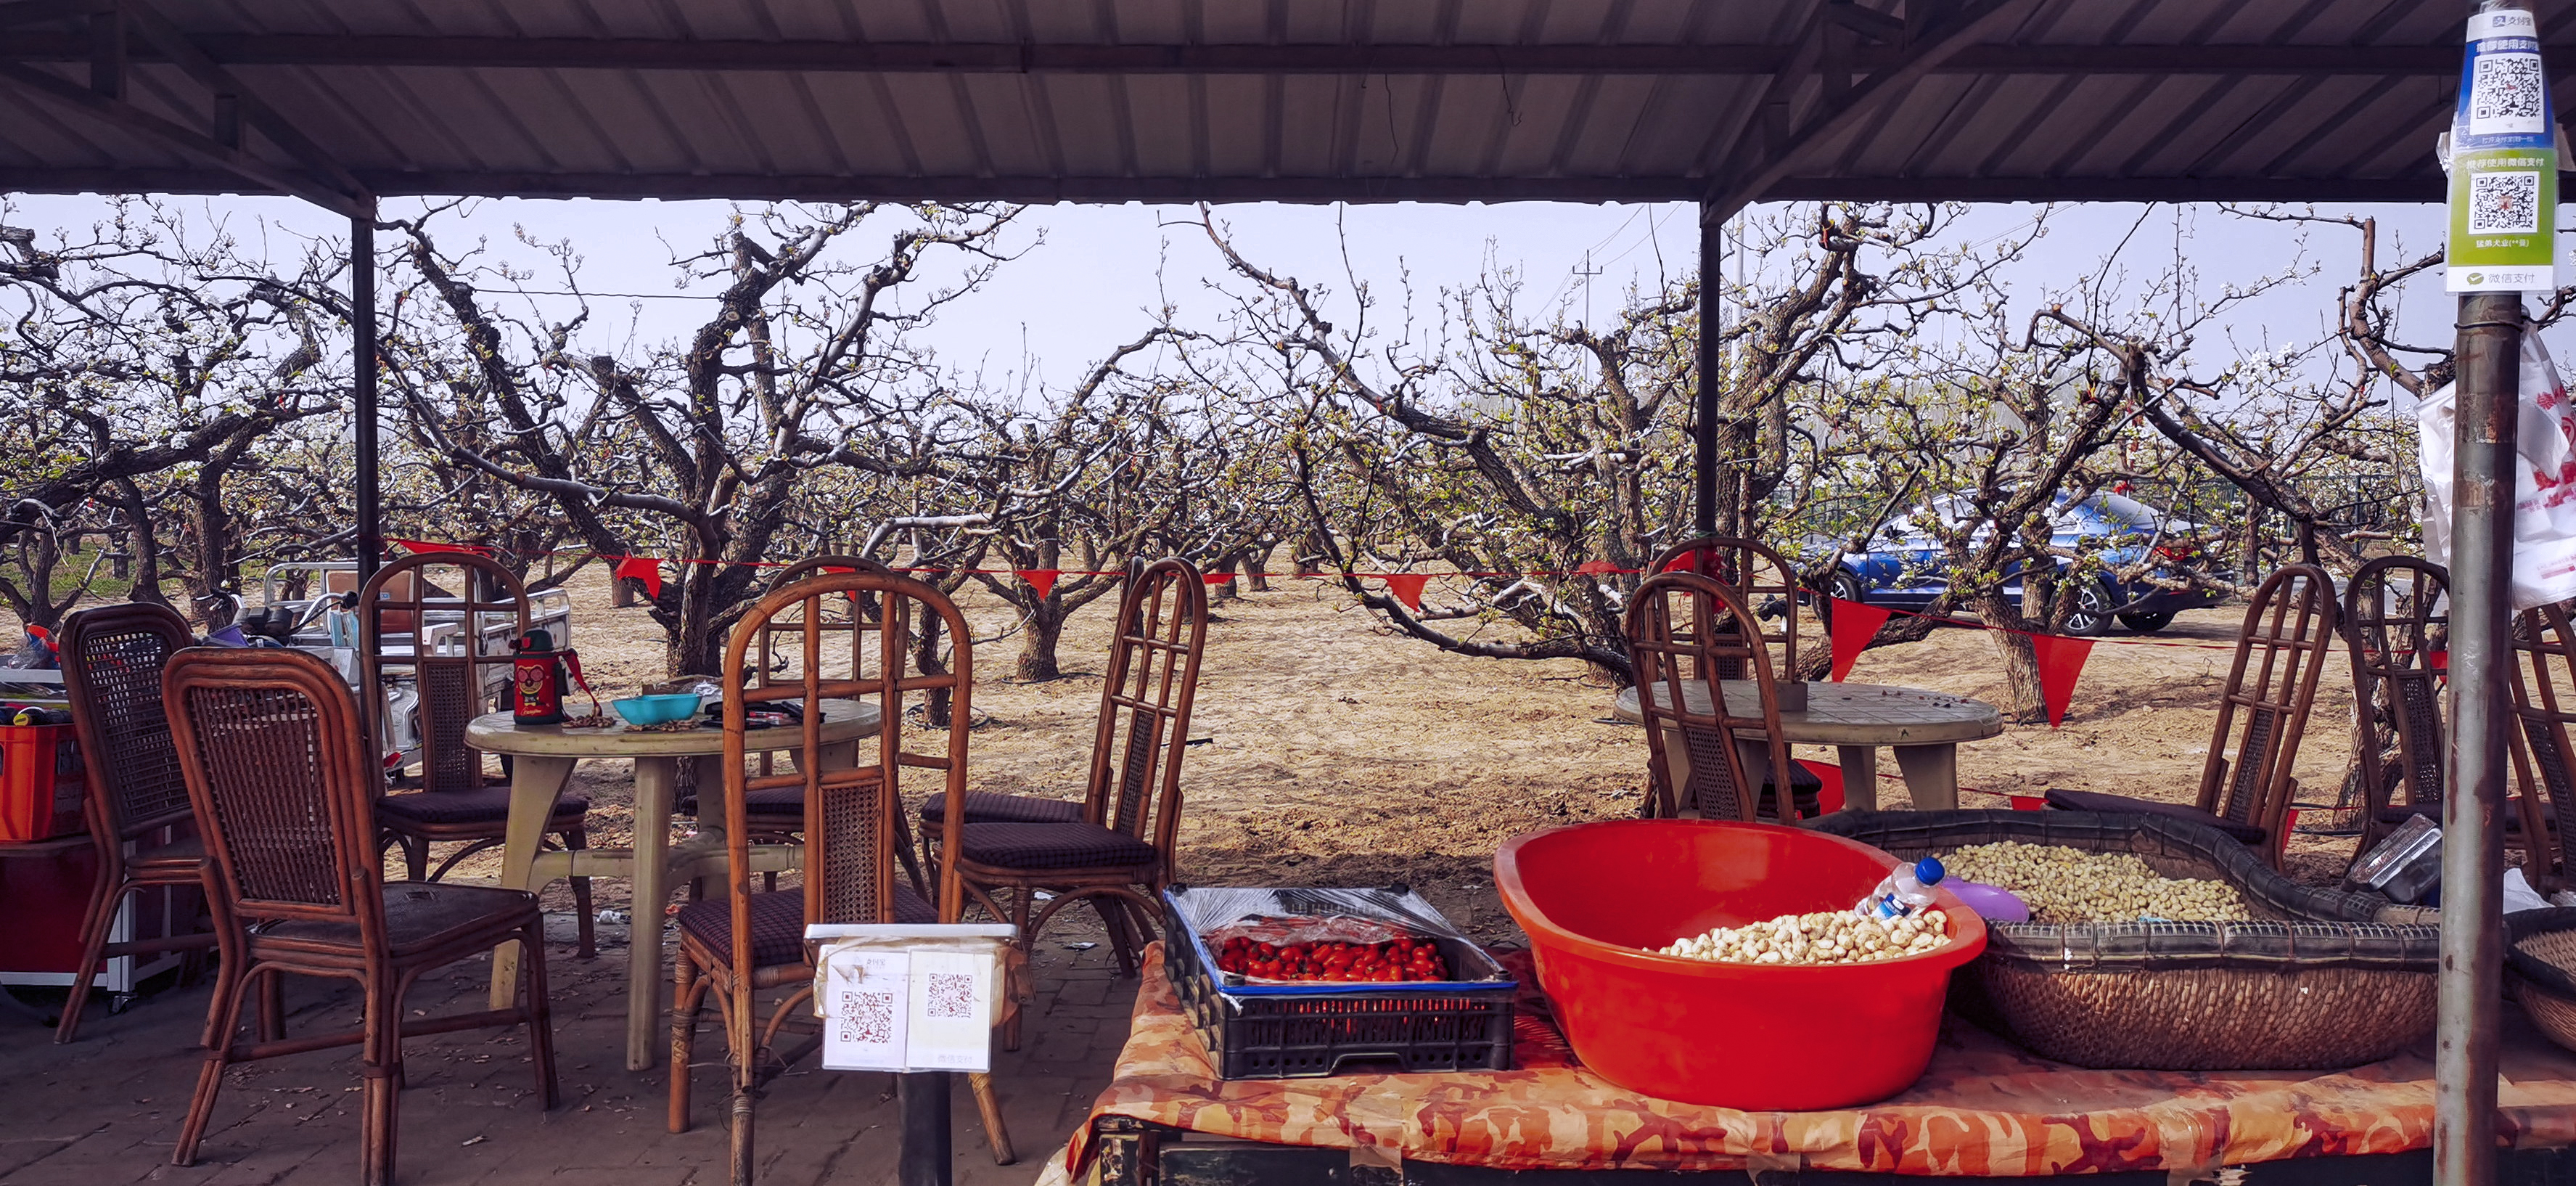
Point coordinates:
[(1762, 579), (1145, 701), (2263, 711), (856, 617), (2544, 701), (269, 740), (1685, 632), (398, 609), (852, 814), (2397, 624), (112, 661)]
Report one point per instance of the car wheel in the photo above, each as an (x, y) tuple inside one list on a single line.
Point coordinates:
[(2092, 614), (2147, 623), (1842, 586)]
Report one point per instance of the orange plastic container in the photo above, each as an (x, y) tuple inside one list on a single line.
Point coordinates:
[(40, 782), (1593, 897)]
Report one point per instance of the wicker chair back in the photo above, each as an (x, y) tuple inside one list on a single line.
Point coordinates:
[(2397, 624), (1762, 579), (2280, 652), (1685, 633), (2544, 702), (113, 656), (269, 741), (1145, 702), (394, 623)]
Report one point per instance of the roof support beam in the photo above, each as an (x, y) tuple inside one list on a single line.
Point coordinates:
[(1722, 60), (1770, 149), (822, 187), (238, 165), (233, 105)]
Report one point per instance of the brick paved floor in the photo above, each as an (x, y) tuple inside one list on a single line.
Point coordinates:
[(107, 1109)]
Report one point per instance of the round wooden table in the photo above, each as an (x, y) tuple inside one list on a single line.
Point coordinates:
[(1923, 727), (542, 758)]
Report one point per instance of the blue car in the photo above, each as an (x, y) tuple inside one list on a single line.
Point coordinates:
[(1904, 567)]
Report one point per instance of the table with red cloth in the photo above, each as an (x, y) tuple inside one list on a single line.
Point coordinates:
[(1984, 1107)]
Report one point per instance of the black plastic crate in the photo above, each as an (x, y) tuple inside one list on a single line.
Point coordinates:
[(1260, 1031)]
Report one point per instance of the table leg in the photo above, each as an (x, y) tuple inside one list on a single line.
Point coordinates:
[(535, 783), (654, 779), (1860, 777), (1931, 775)]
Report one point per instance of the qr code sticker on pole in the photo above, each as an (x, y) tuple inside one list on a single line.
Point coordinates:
[(2506, 95), (2504, 203)]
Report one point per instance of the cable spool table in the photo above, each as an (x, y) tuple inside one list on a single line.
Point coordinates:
[(1923, 727), (542, 758)]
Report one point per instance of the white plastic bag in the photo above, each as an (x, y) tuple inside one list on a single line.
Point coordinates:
[(2544, 521)]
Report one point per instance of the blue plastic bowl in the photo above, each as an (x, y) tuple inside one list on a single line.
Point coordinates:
[(656, 710)]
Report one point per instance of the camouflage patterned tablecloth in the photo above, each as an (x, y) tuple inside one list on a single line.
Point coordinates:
[(1984, 1107)]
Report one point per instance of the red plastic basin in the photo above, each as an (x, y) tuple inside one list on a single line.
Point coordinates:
[(1594, 896)]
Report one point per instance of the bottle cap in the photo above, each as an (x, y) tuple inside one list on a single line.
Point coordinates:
[(1929, 871)]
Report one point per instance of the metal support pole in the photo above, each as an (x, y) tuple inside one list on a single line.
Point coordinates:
[(2482, 498), (362, 325), (924, 1157), (1712, 368)]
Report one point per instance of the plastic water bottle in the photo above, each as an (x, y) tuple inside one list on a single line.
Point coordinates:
[(1904, 892)]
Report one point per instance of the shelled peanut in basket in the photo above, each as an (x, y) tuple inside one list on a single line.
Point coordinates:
[(2068, 885), (1824, 937)]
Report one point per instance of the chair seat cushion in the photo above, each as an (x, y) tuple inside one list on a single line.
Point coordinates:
[(778, 924), (421, 914), (984, 807), (482, 805), (1053, 846), (2097, 801)]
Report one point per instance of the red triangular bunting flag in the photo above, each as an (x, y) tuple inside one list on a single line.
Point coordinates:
[(642, 568), (1407, 587), (2061, 660), (2438, 660), (1596, 567), (424, 548), (1681, 563), (1217, 578), (1853, 625), (1040, 580)]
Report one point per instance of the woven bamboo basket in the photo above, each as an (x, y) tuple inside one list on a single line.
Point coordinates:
[(2318, 980), (2540, 950)]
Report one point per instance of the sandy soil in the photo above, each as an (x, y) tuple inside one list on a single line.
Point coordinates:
[(1340, 754)]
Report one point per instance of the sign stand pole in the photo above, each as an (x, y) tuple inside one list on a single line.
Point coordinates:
[(923, 1097)]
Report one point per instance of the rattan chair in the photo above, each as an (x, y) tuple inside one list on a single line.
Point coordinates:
[(112, 660), (457, 800), (2280, 651), (1120, 854), (2544, 703), (1687, 635), (283, 784), (852, 825)]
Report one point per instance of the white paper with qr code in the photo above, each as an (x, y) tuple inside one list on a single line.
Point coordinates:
[(866, 1009), (952, 1011)]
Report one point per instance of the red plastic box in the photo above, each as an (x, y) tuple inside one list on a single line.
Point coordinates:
[(41, 780)]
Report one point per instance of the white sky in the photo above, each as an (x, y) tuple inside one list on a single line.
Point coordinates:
[(1093, 275)]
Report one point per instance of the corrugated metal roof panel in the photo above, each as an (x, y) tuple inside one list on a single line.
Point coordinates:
[(962, 98)]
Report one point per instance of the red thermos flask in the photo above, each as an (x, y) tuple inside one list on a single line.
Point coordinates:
[(539, 677)]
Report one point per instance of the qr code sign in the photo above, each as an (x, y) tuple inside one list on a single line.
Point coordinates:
[(2505, 89), (951, 995), (2504, 203), (867, 1018)]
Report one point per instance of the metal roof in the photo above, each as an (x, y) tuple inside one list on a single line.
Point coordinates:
[(1298, 100)]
